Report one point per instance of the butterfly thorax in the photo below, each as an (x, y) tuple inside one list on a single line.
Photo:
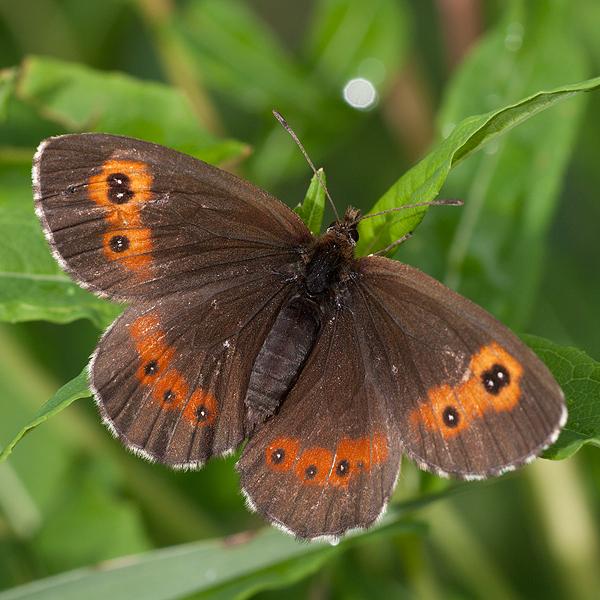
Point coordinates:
[(329, 261), (332, 254)]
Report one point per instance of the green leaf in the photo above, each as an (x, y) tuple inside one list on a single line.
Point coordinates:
[(311, 210), (181, 570), (83, 99), (579, 377), (423, 182), (68, 393), (32, 285), (233, 567)]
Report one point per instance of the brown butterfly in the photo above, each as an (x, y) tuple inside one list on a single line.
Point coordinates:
[(242, 325)]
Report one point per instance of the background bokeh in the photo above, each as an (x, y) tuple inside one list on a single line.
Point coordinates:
[(525, 247)]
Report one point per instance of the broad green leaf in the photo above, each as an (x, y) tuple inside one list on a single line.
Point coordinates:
[(32, 285), (423, 182), (579, 377), (83, 99), (68, 393), (311, 210)]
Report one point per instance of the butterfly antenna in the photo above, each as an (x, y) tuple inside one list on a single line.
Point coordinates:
[(445, 202), (291, 132)]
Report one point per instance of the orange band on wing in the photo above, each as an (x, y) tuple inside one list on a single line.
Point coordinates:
[(354, 456), (316, 465), (122, 188), (281, 453), (137, 181), (201, 408), (492, 385), (169, 387)]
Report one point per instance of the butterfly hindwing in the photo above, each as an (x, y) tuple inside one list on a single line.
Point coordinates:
[(332, 452), (131, 219), (170, 376)]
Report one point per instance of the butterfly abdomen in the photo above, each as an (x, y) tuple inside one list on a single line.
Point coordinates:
[(296, 329), (281, 357)]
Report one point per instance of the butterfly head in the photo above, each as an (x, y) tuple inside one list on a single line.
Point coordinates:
[(346, 227)]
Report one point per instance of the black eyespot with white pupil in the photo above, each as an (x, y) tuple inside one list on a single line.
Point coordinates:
[(202, 413), (495, 378), (151, 368), (450, 417), (119, 243), (278, 456), (311, 472), (119, 188), (342, 469)]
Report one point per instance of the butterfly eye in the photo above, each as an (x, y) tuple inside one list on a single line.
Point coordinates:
[(332, 224), (353, 233)]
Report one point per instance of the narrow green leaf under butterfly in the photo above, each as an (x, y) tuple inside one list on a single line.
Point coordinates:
[(73, 390), (219, 568)]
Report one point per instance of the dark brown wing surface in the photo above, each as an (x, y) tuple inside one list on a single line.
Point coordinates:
[(170, 377), (468, 397), (329, 460), (131, 219)]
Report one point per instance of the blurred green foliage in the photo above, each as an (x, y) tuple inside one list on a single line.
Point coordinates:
[(203, 76)]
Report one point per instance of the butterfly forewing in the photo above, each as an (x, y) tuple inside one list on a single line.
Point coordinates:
[(129, 218)]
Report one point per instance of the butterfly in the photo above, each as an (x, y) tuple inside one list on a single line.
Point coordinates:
[(243, 326)]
